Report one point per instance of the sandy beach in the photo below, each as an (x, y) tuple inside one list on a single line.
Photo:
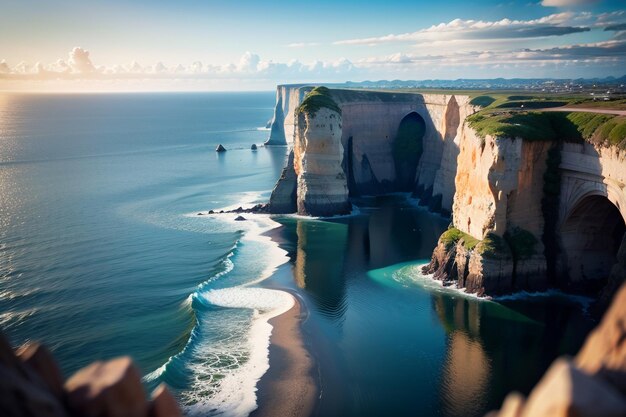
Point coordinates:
[(289, 388)]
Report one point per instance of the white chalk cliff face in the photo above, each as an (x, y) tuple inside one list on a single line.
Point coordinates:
[(500, 190), (288, 98), (322, 189), (371, 121)]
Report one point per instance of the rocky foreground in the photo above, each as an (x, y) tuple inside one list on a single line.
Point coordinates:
[(31, 385)]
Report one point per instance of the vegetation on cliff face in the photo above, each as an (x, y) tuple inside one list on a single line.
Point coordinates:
[(316, 99), (602, 129), (451, 236), (518, 242)]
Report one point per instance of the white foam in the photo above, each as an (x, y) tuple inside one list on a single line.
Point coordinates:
[(245, 347), (427, 282), (356, 211), (236, 395)]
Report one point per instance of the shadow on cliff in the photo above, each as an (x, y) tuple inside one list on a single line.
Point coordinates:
[(583, 228), (409, 139)]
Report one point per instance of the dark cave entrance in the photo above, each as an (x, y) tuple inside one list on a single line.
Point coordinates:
[(407, 149), (590, 239)]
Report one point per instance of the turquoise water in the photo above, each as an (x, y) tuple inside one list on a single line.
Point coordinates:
[(102, 253)]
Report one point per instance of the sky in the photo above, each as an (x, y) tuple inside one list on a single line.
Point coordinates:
[(200, 45)]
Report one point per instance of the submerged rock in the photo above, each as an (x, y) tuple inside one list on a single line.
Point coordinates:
[(240, 218), (220, 148), (253, 147)]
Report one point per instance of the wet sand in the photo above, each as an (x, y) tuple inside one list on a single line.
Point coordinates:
[(288, 388)]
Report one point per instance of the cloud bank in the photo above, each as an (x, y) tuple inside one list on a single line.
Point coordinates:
[(459, 29), (456, 49), (80, 66)]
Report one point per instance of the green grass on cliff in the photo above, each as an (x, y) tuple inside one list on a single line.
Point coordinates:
[(451, 236), (518, 242), (602, 129), (318, 98)]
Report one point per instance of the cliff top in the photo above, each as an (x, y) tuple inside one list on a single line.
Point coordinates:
[(538, 117), (319, 97), (601, 129)]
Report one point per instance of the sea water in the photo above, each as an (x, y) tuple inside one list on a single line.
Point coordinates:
[(103, 253)]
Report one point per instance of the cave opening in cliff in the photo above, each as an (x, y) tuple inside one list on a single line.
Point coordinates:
[(590, 241), (407, 149)]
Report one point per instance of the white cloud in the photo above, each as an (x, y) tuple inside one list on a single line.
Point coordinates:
[(79, 61), (302, 44), (460, 29), (249, 66), (567, 3), (248, 62), (4, 67), (607, 51)]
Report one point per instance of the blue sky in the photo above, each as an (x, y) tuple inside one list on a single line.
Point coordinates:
[(206, 44)]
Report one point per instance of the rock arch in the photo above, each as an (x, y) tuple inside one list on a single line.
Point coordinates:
[(591, 234), (407, 149)]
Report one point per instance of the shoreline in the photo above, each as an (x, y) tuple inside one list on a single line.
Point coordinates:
[(288, 388)]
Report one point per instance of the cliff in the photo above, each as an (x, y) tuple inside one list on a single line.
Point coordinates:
[(540, 196), (322, 189), (543, 214), (288, 98), (386, 142)]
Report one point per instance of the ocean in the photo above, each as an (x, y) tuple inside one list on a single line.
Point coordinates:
[(103, 253)]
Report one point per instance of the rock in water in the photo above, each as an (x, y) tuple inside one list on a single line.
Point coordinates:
[(322, 187), (220, 148), (253, 147), (283, 198), (240, 218)]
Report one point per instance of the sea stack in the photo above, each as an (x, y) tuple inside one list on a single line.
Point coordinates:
[(322, 188), (253, 147), (220, 148)]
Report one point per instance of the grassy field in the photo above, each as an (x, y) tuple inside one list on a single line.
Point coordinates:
[(512, 115)]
